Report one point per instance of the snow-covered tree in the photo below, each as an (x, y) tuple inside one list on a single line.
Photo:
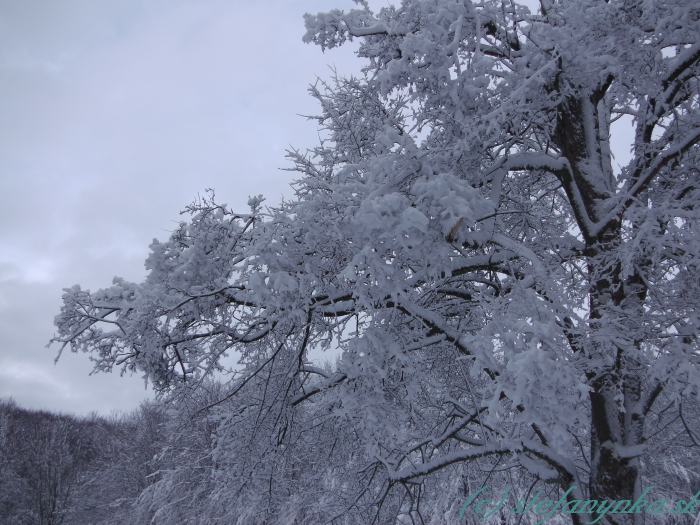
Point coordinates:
[(502, 290)]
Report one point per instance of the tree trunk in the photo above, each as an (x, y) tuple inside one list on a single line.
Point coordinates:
[(615, 308), (617, 420)]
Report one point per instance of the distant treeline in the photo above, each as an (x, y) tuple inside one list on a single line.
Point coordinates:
[(60, 469)]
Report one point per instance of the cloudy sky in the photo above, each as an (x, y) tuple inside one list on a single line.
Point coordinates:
[(114, 115)]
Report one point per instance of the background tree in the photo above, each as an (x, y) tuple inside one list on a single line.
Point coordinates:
[(499, 288), (59, 469), (43, 458), (127, 447)]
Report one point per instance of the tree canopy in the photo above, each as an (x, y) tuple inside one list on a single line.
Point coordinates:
[(510, 304)]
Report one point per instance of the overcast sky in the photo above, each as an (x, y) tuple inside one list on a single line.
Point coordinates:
[(113, 116)]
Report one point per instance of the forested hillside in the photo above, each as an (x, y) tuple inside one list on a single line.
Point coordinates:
[(59, 469)]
